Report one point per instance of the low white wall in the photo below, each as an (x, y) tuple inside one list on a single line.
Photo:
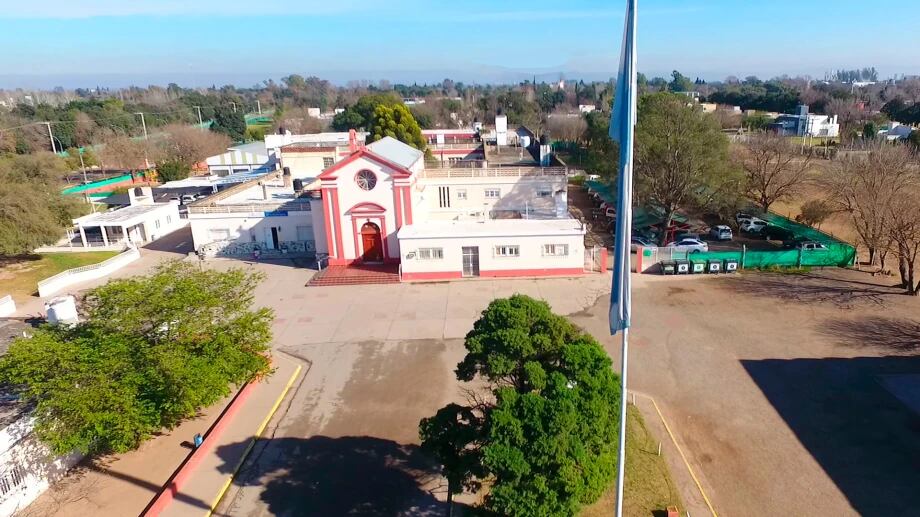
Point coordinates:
[(7, 306), (52, 285)]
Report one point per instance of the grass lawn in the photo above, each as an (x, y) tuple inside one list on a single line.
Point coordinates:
[(20, 277), (649, 489)]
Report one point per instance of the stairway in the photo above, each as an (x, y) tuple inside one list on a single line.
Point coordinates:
[(356, 275)]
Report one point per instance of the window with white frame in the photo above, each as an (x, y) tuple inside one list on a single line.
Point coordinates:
[(328, 161), (156, 223), (430, 253), (555, 250), (461, 193), (493, 193), (168, 219), (507, 251), (544, 193)]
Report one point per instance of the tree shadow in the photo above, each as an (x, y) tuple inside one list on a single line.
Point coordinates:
[(7, 260), (352, 475), (893, 335), (863, 436), (814, 287)]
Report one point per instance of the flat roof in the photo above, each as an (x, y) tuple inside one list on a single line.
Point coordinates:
[(129, 215), (492, 228), (277, 193)]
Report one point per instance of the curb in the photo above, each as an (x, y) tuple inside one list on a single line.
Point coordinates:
[(252, 442)]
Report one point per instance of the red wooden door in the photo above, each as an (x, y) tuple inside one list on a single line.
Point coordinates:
[(372, 243)]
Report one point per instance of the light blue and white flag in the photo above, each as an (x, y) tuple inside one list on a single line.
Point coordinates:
[(622, 131)]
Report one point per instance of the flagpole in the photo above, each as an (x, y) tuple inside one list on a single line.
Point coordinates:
[(621, 459)]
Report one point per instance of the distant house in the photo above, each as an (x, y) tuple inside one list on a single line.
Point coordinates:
[(803, 123), (586, 108), (248, 158), (895, 131)]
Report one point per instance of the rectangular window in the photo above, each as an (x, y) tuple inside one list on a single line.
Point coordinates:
[(493, 193), (430, 253), (156, 223), (461, 194), (544, 193), (168, 219), (328, 162), (555, 250), (444, 197), (304, 233), (507, 251)]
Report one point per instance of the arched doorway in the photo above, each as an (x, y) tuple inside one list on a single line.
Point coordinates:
[(372, 243)]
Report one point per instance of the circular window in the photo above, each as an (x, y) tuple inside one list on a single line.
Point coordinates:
[(366, 180)]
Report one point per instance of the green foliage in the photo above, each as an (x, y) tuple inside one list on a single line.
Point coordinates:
[(172, 170), (870, 131), (682, 157), (914, 139), (33, 212), (361, 115), (151, 352), (397, 122), (680, 83), (547, 439), (602, 158), (814, 212), (756, 122), (765, 96), (229, 122)]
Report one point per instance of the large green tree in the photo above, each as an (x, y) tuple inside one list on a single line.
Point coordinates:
[(545, 434), (150, 352), (33, 212), (361, 114), (397, 122), (230, 122), (682, 158)]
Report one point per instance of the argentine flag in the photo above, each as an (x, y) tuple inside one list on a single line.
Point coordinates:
[(622, 131)]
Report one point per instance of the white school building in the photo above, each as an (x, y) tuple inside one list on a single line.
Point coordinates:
[(381, 204)]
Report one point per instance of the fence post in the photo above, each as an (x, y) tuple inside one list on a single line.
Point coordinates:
[(798, 261), (743, 254)]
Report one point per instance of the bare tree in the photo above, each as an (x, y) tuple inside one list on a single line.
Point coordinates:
[(904, 234), (865, 186), (189, 144), (563, 126), (121, 152), (775, 171)]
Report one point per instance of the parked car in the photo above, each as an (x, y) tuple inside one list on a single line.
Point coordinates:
[(740, 216), (807, 246), (679, 236), (753, 225), (689, 245), (639, 241), (775, 233), (720, 233), (188, 198)]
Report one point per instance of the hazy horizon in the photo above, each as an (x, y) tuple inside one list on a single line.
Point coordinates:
[(197, 44)]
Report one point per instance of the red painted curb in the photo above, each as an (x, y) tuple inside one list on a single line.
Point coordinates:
[(175, 483)]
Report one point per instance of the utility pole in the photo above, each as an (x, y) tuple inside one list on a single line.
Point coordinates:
[(259, 105), (82, 165), (143, 123), (234, 106), (51, 137), (200, 122)]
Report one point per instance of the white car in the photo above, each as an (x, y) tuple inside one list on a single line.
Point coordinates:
[(741, 216), (752, 225), (689, 245)]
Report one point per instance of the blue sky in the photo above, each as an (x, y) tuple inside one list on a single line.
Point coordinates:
[(199, 42)]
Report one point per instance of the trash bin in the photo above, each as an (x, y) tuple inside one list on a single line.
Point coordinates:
[(731, 265), (682, 267), (697, 267), (713, 266), (668, 267)]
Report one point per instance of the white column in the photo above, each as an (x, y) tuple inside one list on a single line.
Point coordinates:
[(83, 235), (124, 234), (105, 238)]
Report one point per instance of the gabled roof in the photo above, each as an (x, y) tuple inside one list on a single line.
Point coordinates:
[(396, 151), (398, 170)]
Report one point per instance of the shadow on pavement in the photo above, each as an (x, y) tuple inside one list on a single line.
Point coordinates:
[(866, 440), (894, 335), (353, 475)]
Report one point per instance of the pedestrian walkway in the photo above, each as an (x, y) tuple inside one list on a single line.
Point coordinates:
[(209, 473)]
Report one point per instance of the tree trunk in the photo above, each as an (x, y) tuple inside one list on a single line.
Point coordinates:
[(902, 270), (765, 205), (663, 238), (450, 500), (871, 255)]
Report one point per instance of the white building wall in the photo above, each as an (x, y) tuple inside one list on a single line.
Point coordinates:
[(168, 219), (319, 226), (531, 262), (245, 229), (307, 164), (516, 193)]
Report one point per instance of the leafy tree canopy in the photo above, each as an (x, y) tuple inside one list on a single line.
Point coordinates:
[(229, 122), (546, 435), (361, 115), (150, 352), (397, 122)]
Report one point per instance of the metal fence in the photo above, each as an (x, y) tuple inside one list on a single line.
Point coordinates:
[(834, 255)]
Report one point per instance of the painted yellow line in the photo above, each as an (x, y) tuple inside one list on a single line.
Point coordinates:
[(682, 455), (252, 442)]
